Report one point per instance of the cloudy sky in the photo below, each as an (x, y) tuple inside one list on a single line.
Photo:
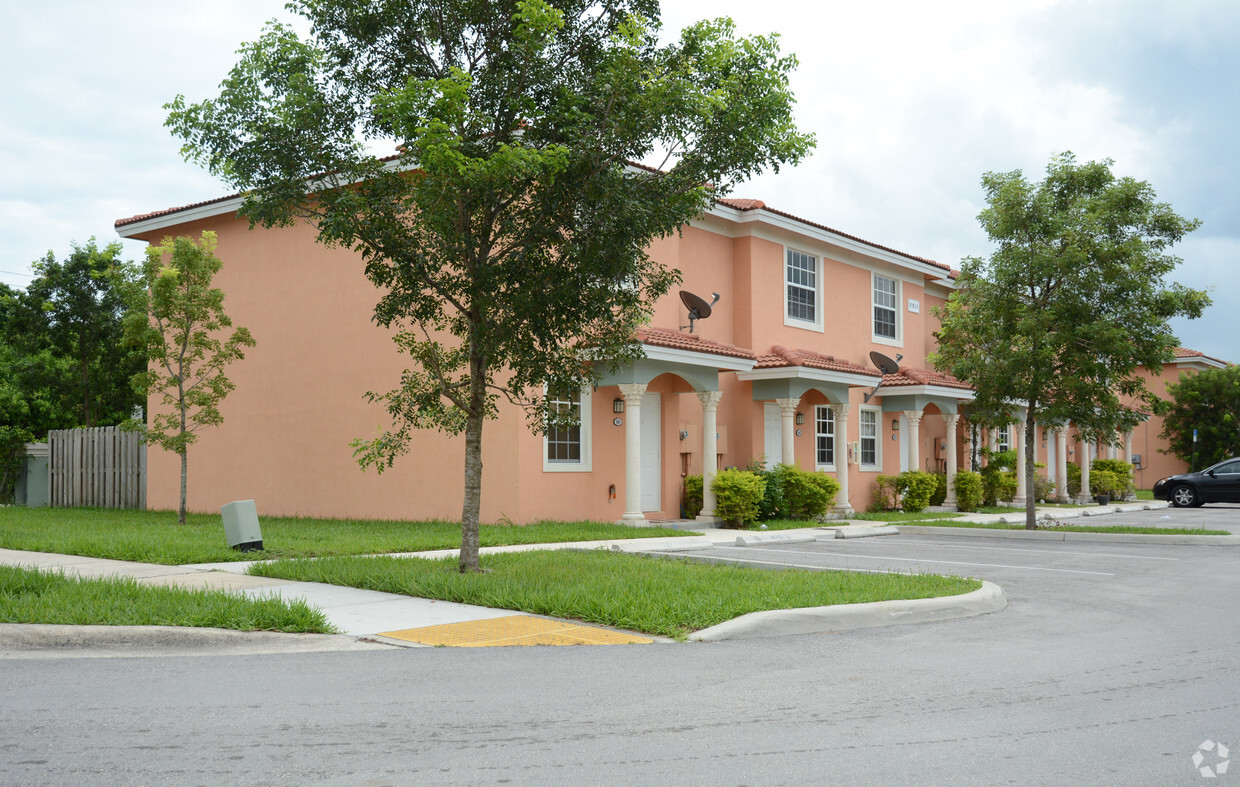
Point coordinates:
[(911, 101)]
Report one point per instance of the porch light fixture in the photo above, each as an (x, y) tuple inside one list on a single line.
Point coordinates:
[(895, 424), (800, 418), (617, 405)]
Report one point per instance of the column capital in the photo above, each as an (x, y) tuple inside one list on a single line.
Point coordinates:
[(632, 390), (951, 419), (788, 406), (839, 410), (709, 399), (913, 416)]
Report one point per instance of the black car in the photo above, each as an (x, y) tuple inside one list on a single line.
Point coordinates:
[(1217, 484)]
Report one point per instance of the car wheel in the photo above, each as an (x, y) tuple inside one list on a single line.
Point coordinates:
[(1184, 497)]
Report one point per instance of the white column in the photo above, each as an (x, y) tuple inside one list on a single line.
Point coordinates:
[(1128, 447), (1022, 489), (1112, 451), (787, 411), (842, 504), (632, 393), (710, 452), (968, 448), (912, 421), (950, 419), (1061, 460), (1086, 453)]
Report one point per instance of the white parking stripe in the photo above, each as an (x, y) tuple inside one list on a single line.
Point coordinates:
[(1018, 549), (944, 562)]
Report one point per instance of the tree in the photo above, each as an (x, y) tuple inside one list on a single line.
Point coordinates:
[(1207, 403), (1071, 302), (509, 232), (178, 320), (63, 353)]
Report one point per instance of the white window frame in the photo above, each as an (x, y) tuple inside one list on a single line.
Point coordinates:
[(898, 339), (877, 464), (829, 420), (798, 322), (585, 462), (1003, 438)]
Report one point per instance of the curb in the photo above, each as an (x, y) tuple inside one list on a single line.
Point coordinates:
[(1065, 535), (844, 617), (31, 640)]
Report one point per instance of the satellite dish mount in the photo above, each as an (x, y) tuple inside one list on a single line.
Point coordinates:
[(885, 365), (698, 308)]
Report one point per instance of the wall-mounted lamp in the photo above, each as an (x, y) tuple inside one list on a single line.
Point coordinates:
[(800, 418), (617, 405), (684, 434), (895, 424)]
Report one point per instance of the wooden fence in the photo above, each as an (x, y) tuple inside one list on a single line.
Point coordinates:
[(102, 467)]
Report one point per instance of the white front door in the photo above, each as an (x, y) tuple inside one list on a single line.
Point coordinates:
[(773, 435), (652, 453)]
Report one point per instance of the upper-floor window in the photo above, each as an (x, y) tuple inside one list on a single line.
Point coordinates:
[(884, 300), (568, 447), (824, 436), (801, 286)]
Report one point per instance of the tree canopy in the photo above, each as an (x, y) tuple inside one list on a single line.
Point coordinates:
[(1208, 402), (1071, 303), (62, 361), (509, 230)]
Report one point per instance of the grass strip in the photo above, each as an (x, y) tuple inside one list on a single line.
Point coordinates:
[(1129, 529), (901, 516), (666, 597), (155, 536), (28, 596)]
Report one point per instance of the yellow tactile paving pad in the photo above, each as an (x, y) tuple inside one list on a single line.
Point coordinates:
[(514, 630)]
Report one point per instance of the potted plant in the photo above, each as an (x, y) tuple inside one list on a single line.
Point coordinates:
[(1104, 484)]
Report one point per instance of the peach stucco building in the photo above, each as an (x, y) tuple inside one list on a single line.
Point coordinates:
[(781, 370)]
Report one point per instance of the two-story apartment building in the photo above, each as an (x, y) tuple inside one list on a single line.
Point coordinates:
[(782, 369)]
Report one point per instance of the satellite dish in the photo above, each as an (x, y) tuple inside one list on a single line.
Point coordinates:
[(698, 308), (885, 365)]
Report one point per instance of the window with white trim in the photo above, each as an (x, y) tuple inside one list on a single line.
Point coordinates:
[(871, 446), (1003, 438), (824, 437), (885, 297), (801, 286), (567, 448)]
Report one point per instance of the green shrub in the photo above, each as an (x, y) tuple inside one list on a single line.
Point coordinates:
[(693, 496), (1074, 479), (1043, 488), (998, 476), (737, 495), (808, 495), (940, 489), (1105, 482), (773, 504), (13, 441), (885, 495), (1122, 471), (915, 488), (968, 490)]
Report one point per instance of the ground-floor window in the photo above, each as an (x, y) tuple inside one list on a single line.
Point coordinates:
[(824, 436), (870, 444), (568, 447), (1003, 438)]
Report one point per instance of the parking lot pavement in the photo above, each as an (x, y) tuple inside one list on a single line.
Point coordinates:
[(1010, 563)]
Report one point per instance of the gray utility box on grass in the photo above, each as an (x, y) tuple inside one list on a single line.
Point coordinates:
[(33, 480), (241, 525)]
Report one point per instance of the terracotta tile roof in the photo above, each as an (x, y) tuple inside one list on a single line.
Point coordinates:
[(755, 204), (1184, 352), (784, 357), (910, 376), (167, 211), (676, 340)]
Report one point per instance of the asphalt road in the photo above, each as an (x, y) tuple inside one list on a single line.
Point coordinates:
[(1112, 664)]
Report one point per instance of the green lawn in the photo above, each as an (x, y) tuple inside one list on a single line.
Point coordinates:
[(666, 597), (1132, 529), (155, 536), (28, 596)]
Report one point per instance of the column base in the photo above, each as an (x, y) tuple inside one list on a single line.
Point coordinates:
[(633, 520), (708, 519), (846, 508), (951, 505), (1083, 500)]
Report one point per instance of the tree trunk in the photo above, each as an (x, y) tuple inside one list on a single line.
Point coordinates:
[(1031, 497), (184, 476), (472, 505)]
